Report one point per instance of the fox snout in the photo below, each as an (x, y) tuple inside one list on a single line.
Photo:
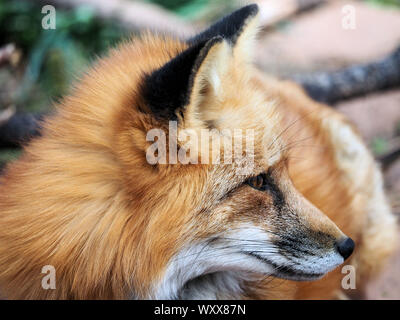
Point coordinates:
[(309, 242), (302, 243)]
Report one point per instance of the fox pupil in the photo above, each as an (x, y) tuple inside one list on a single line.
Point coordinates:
[(258, 182)]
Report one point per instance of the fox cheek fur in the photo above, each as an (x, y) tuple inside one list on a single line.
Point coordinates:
[(84, 199)]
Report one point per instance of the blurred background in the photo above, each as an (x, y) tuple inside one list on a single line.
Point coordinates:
[(37, 65)]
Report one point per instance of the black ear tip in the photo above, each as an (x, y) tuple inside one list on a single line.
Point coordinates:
[(253, 9), (247, 11), (229, 27)]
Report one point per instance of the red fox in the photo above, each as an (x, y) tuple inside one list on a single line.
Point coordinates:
[(85, 199)]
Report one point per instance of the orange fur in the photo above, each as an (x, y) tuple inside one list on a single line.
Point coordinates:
[(83, 198)]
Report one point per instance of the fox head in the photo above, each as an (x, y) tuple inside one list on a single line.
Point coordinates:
[(124, 194), (206, 217)]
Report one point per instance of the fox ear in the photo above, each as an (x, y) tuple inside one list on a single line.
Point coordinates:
[(181, 82), (238, 28), (181, 85)]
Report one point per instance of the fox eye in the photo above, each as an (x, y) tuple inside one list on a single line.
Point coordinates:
[(258, 182)]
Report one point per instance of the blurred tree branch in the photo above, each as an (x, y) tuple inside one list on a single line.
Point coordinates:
[(19, 129), (132, 15), (354, 81)]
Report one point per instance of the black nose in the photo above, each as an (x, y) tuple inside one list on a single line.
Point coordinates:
[(345, 247)]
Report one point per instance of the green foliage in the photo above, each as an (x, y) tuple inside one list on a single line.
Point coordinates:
[(171, 4), (20, 22), (392, 3), (379, 146), (54, 57), (197, 9)]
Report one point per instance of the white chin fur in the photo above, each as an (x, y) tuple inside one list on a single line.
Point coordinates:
[(217, 269)]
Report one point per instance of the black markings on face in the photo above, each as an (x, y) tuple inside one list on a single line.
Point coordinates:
[(272, 187), (265, 182)]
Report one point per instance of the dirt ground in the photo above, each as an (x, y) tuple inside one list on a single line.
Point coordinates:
[(316, 40)]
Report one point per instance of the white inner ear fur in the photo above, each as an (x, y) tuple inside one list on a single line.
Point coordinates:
[(216, 82), (214, 68), (208, 83)]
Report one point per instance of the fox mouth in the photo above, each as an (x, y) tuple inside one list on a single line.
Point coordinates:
[(286, 272)]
